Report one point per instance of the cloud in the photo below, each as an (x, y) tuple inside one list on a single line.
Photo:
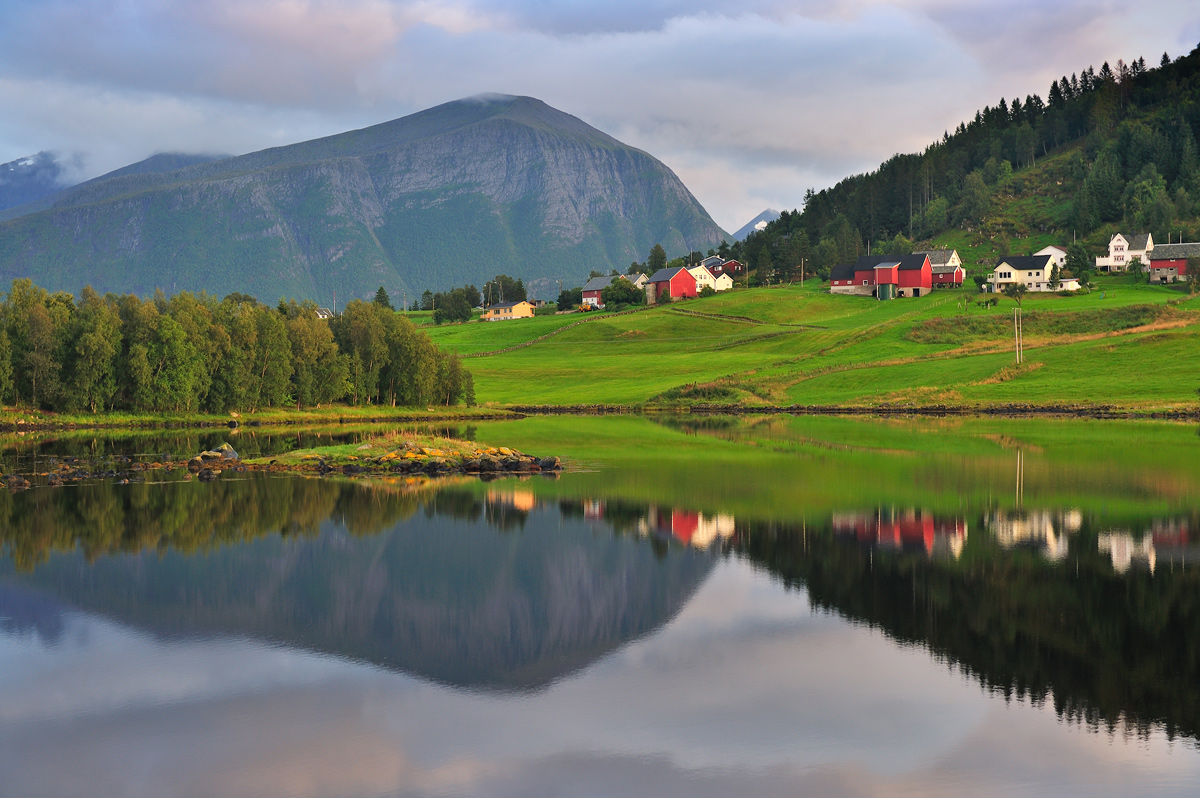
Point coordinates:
[(752, 102)]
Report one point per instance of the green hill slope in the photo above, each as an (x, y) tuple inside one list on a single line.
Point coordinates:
[(802, 346), (454, 194), (1107, 150)]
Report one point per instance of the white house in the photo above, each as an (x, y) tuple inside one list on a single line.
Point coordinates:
[(1058, 254), (1035, 271), (1124, 250), (704, 278), (723, 283), (638, 279)]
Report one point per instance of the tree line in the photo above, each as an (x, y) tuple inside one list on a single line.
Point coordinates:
[(193, 352), (1135, 130)]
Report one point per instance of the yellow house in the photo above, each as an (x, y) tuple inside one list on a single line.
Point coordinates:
[(509, 310)]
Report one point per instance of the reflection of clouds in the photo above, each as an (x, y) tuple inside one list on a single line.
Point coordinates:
[(747, 692)]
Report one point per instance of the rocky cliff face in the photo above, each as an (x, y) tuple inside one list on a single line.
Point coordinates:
[(454, 194)]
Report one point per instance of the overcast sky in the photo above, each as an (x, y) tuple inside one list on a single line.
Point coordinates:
[(750, 102)]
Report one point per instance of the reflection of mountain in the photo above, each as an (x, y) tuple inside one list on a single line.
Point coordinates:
[(463, 593), (1105, 643)]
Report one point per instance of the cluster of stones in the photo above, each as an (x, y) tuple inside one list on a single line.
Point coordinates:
[(71, 469), (207, 466)]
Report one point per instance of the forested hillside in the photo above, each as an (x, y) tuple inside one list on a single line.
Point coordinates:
[(1107, 148)]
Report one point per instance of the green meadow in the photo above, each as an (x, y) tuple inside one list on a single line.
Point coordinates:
[(1125, 344)]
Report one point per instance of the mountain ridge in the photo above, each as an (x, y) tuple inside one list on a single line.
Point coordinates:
[(455, 193)]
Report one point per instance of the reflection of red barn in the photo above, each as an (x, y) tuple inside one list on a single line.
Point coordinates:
[(684, 525), (593, 509), (909, 530)]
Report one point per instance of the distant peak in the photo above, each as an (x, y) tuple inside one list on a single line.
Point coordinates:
[(488, 98)]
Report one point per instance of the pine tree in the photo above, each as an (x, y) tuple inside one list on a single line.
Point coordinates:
[(382, 299)]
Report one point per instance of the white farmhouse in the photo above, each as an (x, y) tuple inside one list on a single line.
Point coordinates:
[(704, 278), (1058, 254), (1124, 250)]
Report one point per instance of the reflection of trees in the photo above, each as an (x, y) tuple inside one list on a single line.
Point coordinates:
[(105, 518), (1103, 647)]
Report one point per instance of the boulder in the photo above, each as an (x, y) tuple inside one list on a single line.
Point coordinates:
[(227, 452), (550, 464), (352, 468), (195, 464)]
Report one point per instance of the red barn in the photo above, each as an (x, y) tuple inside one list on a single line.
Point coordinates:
[(1168, 262), (668, 285)]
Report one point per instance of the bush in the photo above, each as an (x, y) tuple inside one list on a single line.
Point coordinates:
[(708, 290)]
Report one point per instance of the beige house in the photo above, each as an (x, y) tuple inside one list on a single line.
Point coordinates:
[(509, 310), (1124, 250), (638, 279), (704, 278), (1035, 271), (723, 283)]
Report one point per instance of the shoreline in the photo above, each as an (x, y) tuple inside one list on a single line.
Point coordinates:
[(43, 423)]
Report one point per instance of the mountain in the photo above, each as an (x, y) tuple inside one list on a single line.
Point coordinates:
[(43, 177), (451, 593), (453, 194), (757, 223), (29, 179)]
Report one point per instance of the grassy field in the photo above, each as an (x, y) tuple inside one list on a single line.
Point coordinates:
[(1124, 344)]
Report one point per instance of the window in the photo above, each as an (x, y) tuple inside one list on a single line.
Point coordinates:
[(864, 282)]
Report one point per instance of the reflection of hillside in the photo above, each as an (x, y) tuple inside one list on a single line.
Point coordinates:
[(458, 589), (1105, 643)]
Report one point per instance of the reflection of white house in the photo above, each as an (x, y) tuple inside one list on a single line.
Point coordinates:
[(1122, 549), (1040, 529), (711, 528), (1124, 250)]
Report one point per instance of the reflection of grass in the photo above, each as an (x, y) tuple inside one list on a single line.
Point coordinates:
[(790, 468)]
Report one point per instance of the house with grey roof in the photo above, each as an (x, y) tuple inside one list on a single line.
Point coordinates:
[(1169, 263), (947, 267), (1124, 249)]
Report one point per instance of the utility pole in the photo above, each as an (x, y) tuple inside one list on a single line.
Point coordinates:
[(1018, 336), (802, 262), (335, 301)]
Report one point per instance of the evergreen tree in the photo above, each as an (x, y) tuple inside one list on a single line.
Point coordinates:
[(657, 259), (382, 299)]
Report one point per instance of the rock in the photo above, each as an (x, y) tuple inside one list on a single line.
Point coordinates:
[(210, 456), (352, 468), (195, 464), (512, 464), (550, 464), (233, 424), (488, 464), (363, 448), (205, 475), (227, 452), (17, 482), (471, 466)]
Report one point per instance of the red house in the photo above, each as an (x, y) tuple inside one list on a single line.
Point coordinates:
[(1168, 262), (668, 285)]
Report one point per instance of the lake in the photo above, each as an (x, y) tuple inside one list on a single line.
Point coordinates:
[(698, 606)]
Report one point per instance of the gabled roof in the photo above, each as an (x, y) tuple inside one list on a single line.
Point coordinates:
[(1175, 251), (936, 256), (1025, 262), (503, 305), (693, 269), (1136, 241), (666, 275), (842, 271), (906, 262), (599, 283), (712, 260), (945, 268)]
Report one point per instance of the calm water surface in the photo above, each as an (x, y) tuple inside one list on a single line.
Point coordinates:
[(713, 607)]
